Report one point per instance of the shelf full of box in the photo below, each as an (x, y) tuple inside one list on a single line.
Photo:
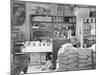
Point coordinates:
[(88, 38), (52, 23), (51, 15), (68, 17)]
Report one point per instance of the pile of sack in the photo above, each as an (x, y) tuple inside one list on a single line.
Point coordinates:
[(71, 58), (84, 59), (93, 47), (67, 58), (94, 60)]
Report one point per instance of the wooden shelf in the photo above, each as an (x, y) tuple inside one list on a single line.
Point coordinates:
[(60, 30), (49, 29), (53, 22), (53, 15), (42, 29)]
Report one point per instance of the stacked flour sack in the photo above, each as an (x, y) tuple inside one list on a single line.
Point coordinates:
[(84, 59), (67, 58), (93, 47), (94, 60)]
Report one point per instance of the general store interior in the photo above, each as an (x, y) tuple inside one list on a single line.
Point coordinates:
[(40, 30)]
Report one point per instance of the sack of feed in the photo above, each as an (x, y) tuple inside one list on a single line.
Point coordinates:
[(82, 65), (82, 57), (82, 61), (72, 65), (84, 68), (84, 51), (61, 50), (63, 66)]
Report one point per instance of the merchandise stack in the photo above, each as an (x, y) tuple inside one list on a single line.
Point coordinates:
[(37, 46), (37, 51), (84, 59), (60, 10), (68, 11), (53, 11), (93, 47), (71, 58), (67, 59), (37, 58), (94, 60)]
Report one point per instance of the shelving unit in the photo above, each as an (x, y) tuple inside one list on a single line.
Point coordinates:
[(52, 27), (86, 31)]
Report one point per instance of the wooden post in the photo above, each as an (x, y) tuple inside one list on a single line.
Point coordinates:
[(81, 35)]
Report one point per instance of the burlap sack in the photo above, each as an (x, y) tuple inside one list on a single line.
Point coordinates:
[(84, 52), (82, 65), (63, 66), (73, 65), (84, 68), (68, 61), (82, 57)]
